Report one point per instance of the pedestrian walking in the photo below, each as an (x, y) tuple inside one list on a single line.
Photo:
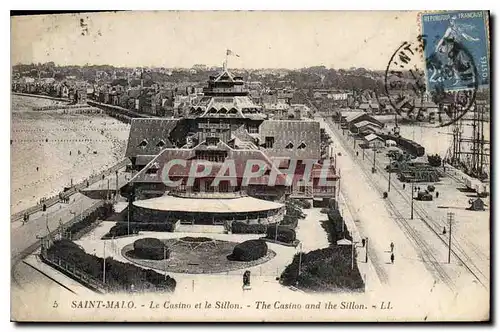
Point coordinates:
[(404, 186), (437, 194), (392, 258), (392, 246), (444, 230)]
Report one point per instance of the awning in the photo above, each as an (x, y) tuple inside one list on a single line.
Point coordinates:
[(210, 205)]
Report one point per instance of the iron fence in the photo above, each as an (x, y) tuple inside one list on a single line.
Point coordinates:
[(66, 194)]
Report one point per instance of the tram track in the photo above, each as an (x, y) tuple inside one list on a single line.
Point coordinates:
[(458, 252)]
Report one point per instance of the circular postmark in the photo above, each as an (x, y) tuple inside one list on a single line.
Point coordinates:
[(431, 85)]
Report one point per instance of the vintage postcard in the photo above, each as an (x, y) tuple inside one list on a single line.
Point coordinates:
[(203, 166)]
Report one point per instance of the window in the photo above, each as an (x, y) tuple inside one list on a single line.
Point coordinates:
[(143, 143), (211, 156), (269, 142), (212, 141), (152, 171), (252, 129), (161, 144), (224, 187), (289, 146), (302, 146)]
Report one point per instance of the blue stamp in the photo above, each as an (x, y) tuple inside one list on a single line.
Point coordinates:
[(456, 50)]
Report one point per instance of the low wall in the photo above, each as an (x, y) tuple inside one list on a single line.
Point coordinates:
[(40, 96), (68, 193)]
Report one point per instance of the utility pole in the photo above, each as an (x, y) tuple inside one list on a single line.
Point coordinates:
[(389, 186), (276, 233), (338, 191), (165, 259), (450, 222), (47, 223), (352, 255), (411, 201), (374, 155), (366, 251), (116, 189), (363, 154), (108, 196), (300, 260), (104, 264), (128, 214)]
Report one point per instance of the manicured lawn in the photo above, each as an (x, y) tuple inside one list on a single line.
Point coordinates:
[(196, 257)]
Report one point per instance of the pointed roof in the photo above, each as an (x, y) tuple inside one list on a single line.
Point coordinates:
[(146, 134), (371, 137), (225, 75), (238, 157)]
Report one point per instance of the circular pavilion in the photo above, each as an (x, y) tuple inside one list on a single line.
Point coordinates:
[(208, 209)]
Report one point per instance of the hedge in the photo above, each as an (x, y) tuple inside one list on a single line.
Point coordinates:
[(249, 250), (333, 227), (119, 230), (122, 229), (239, 227), (101, 212), (294, 210), (304, 204), (151, 248), (167, 226), (327, 269), (290, 221), (119, 276), (285, 234)]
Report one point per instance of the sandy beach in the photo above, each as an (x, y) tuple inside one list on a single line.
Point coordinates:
[(64, 147)]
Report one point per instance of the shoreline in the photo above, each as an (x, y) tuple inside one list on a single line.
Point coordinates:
[(52, 150)]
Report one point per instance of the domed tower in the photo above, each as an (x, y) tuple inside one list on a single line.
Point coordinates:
[(224, 107)]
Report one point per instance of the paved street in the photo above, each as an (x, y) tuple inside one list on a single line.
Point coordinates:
[(417, 250)]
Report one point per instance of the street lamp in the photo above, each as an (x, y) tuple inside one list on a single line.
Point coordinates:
[(389, 185), (116, 189), (276, 232), (300, 262), (104, 263), (366, 250), (165, 259), (374, 155), (42, 241)]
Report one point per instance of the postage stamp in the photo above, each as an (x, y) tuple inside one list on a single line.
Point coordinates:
[(456, 51)]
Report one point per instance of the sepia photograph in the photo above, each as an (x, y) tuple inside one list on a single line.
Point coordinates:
[(250, 166)]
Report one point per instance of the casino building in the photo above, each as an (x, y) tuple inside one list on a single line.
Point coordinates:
[(224, 128)]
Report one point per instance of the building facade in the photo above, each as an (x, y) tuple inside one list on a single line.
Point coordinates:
[(249, 155)]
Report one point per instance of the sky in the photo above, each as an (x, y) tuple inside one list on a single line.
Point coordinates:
[(273, 39)]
